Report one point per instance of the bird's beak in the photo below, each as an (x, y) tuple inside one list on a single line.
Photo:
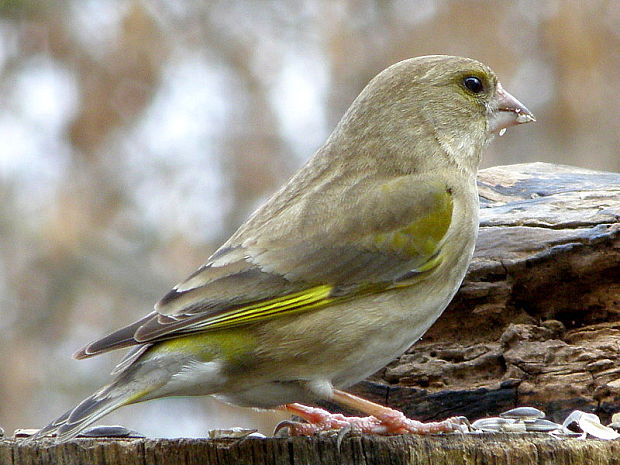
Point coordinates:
[(509, 112)]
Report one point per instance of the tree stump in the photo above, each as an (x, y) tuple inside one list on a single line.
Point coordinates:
[(535, 323)]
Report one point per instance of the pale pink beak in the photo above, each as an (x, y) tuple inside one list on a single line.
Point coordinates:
[(509, 112)]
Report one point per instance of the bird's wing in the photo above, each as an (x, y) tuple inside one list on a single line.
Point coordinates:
[(375, 239)]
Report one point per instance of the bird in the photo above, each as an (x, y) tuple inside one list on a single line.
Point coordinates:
[(338, 273)]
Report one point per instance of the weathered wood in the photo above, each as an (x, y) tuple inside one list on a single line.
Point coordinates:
[(537, 320), (497, 449)]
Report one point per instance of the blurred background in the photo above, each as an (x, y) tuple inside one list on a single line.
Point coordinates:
[(136, 135)]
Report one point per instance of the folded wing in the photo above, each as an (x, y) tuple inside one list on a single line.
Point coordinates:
[(295, 261)]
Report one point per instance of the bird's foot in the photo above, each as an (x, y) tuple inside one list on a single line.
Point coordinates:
[(388, 421)]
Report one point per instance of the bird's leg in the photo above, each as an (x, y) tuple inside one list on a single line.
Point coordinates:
[(381, 420), (321, 420), (395, 422)]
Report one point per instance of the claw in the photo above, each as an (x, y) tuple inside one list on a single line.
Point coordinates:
[(462, 424), (342, 434), (295, 428), (283, 425)]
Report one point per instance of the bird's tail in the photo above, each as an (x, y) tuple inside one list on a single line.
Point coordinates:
[(147, 372), (121, 392)]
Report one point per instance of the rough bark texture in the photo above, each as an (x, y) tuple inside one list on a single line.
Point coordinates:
[(537, 320), (497, 449)]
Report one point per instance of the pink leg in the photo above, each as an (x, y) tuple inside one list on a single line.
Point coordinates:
[(382, 420)]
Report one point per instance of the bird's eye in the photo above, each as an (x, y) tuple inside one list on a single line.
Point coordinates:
[(473, 84)]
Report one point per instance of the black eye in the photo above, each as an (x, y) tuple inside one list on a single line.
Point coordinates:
[(473, 84)]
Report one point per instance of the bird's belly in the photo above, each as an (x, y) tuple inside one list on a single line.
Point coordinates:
[(348, 342), (383, 344), (327, 354)]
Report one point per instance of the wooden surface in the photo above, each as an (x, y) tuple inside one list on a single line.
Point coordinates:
[(496, 449), (537, 320)]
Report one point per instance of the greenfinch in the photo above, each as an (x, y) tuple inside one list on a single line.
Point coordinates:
[(339, 272)]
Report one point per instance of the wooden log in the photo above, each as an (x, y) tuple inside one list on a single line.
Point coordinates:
[(537, 320), (478, 449)]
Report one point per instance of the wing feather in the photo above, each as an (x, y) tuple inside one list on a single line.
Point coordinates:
[(376, 239)]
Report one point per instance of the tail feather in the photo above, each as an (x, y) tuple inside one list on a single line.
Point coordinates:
[(72, 422), (143, 374), (86, 413)]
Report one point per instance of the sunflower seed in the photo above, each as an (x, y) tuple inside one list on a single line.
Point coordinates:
[(540, 425), (499, 424), (232, 433), (24, 432), (523, 413), (591, 424), (110, 431)]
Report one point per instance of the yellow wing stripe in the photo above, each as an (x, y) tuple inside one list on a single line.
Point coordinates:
[(309, 299), (302, 301)]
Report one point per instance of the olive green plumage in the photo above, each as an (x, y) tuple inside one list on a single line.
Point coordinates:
[(341, 270)]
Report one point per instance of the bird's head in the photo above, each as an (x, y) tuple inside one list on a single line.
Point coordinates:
[(436, 106)]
